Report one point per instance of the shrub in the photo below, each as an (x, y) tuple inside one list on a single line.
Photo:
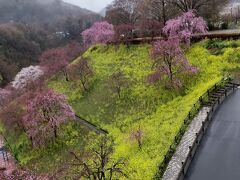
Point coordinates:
[(184, 26), (232, 55)]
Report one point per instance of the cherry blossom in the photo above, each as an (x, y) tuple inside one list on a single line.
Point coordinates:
[(99, 33), (45, 113), (4, 94), (27, 75), (185, 26), (170, 62)]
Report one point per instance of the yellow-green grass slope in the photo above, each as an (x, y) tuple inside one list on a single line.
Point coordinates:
[(157, 111)]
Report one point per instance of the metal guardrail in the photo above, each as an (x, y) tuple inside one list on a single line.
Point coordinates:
[(205, 125), (204, 99)]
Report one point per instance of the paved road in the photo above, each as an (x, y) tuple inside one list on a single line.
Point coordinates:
[(218, 157), (229, 31)]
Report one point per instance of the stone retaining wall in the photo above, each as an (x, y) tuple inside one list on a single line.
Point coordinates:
[(175, 165), (180, 161)]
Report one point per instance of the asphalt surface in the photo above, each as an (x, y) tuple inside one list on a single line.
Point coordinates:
[(229, 31), (218, 156)]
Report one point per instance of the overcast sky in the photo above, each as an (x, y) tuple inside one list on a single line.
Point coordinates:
[(94, 5)]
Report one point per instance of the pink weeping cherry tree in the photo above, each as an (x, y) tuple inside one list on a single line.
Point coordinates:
[(81, 71), (73, 50), (170, 63), (44, 114), (54, 60), (184, 26), (99, 33), (26, 76), (4, 94), (138, 136), (150, 28), (123, 32)]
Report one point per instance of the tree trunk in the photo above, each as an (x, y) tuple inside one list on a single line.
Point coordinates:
[(164, 16), (55, 131), (65, 75), (140, 144), (84, 86), (171, 75), (119, 92)]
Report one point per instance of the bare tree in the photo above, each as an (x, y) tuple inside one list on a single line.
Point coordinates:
[(117, 82), (96, 164), (209, 9), (128, 9), (159, 10), (117, 16), (138, 136), (186, 5), (81, 71), (163, 10)]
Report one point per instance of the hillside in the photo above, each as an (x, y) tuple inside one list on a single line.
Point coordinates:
[(46, 11), (154, 109), (28, 27), (18, 49)]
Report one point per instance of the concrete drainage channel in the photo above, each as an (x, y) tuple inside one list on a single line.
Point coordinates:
[(91, 126), (5, 156), (181, 159)]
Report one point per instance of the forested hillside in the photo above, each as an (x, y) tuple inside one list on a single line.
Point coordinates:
[(142, 118), (81, 100), (27, 28), (19, 47), (39, 11)]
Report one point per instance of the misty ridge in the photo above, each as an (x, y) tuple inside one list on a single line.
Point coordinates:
[(40, 11)]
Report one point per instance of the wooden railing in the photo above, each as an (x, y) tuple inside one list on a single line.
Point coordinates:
[(204, 126), (196, 37)]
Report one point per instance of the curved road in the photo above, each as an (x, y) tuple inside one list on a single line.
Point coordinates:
[(218, 156)]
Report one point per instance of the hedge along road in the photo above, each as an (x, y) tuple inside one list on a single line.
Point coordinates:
[(218, 156)]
